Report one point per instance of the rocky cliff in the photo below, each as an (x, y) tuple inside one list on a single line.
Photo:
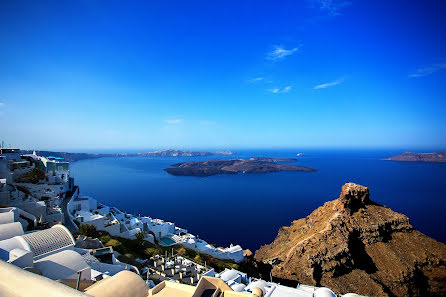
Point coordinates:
[(353, 244)]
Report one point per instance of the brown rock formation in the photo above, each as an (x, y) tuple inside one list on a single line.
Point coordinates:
[(353, 244)]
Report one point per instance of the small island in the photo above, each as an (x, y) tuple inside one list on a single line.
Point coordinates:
[(233, 166), (419, 157)]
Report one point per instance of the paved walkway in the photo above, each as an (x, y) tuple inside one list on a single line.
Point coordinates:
[(72, 227)]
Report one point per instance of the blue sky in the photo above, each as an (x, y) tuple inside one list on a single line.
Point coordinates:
[(222, 74)]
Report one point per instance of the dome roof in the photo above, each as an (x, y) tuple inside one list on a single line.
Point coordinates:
[(46, 241), (229, 275), (257, 292), (351, 295), (238, 287), (324, 292), (261, 284), (61, 265)]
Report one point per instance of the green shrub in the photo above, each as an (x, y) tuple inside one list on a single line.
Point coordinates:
[(88, 230), (113, 243), (33, 176), (151, 251), (105, 238), (140, 236), (181, 251), (131, 249)]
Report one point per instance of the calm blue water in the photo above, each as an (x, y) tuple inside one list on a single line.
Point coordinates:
[(248, 209)]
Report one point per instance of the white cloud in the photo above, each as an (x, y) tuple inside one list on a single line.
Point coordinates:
[(428, 70), (278, 90), (174, 121), (286, 89), (274, 91), (280, 52), (329, 84), (256, 79), (208, 123)]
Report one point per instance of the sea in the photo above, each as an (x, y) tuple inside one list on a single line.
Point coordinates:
[(249, 209)]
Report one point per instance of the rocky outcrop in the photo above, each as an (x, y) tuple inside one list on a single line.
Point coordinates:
[(419, 157), (353, 244)]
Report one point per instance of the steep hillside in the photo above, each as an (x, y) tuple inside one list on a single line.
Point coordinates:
[(353, 244)]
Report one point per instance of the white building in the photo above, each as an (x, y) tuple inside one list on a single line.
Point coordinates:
[(14, 214), (240, 282), (11, 164), (46, 210), (4, 193), (10, 153), (233, 252), (87, 210), (57, 171), (51, 252), (42, 199)]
